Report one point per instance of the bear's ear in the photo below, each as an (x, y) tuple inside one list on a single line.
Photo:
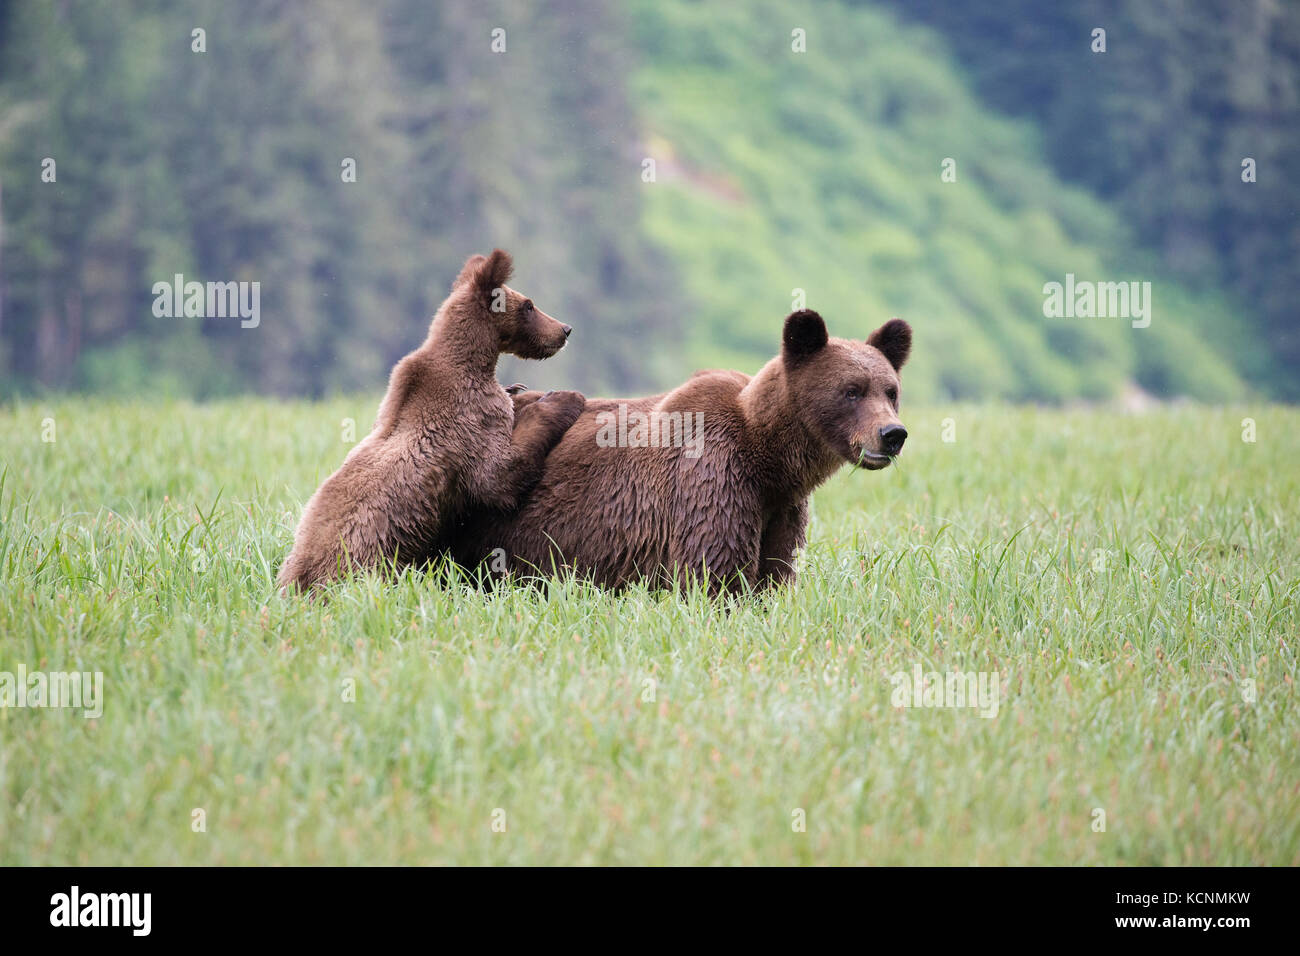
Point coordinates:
[(894, 340), (468, 271), (805, 333), (496, 271), (486, 273)]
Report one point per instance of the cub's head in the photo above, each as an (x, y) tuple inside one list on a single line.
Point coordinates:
[(522, 328), (847, 392)]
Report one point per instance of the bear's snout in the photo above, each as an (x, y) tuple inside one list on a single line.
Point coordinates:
[(892, 438)]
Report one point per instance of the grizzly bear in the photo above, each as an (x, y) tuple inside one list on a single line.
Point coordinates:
[(446, 436), (713, 481)]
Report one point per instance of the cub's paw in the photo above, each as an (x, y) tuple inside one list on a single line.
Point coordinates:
[(516, 388), (524, 400), (564, 407)]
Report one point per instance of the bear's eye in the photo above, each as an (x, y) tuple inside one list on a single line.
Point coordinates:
[(852, 393), (528, 305), (891, 393)]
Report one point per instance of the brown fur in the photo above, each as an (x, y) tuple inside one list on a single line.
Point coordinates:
[(446, 436), (736, 514)]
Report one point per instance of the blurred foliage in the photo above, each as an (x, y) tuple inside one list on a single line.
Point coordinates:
[(226, 165), (821, 170), (775, 170), (1158, 126)]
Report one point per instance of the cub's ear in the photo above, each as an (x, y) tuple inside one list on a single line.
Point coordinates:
[(805, 333), (486, 273), (496, 271), (470, 269), (894, 340)]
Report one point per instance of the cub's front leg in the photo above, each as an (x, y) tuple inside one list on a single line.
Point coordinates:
[(540, 423), (522, 397)]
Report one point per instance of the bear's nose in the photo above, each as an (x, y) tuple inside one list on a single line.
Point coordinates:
[(568, 330), (892, 438)]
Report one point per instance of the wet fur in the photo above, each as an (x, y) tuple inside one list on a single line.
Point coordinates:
[(446, 438), (735, 516)]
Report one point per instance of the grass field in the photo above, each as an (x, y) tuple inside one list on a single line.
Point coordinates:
[(1131, 579)]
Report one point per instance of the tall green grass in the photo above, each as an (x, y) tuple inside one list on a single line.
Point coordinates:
[(1126, 576)]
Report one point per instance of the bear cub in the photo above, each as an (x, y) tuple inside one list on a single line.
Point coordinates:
[(446, 437)]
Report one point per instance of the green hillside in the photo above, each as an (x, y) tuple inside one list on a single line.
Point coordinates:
[(820, 171), (775, 170)]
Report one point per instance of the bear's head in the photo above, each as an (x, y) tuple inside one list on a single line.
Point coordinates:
[(521, 328), (846, 392)]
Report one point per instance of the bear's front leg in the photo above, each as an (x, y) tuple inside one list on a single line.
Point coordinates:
[(540, 423), (783, 538), (718, 539)]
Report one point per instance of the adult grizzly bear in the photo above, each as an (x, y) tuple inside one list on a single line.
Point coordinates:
[(446, 436), (730, 504)]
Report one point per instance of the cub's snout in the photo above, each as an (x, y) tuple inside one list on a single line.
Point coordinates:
[(538, 335)]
